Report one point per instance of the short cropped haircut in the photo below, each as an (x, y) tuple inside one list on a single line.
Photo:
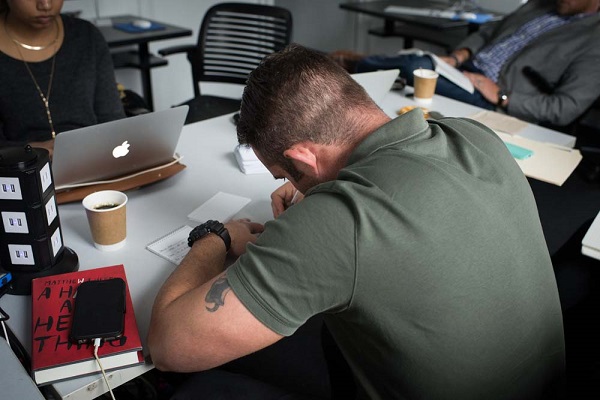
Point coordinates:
[(298, 95)]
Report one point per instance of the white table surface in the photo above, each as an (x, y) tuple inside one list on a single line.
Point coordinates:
[(207, 148), (395, 100)]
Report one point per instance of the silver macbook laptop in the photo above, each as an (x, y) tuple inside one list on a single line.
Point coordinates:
[(377, 83), (116, 148)]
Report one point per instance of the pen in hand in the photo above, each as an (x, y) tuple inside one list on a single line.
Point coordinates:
[(294, 198)]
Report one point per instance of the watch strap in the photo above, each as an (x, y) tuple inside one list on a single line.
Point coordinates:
[(211, 226)]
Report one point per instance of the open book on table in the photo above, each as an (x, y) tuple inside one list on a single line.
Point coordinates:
[(444, 69)]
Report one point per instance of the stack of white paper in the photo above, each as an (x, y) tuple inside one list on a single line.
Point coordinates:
[(248, 162), (590, 245)]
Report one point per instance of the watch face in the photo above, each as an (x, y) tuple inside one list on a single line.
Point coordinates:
[(210, 226), (502, 97), (197, 233), (202, 231), (214, 226)]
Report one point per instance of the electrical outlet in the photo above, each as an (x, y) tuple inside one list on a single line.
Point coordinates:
[(51, 210), (56, 241), (21, 254), (45, 177), (10, 189), (14, 222)]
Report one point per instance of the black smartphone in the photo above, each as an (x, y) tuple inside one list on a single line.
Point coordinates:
[(99, 311)]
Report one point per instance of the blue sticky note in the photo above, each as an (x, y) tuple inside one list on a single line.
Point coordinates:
[(477, 18), (482, 18), (518, 152)]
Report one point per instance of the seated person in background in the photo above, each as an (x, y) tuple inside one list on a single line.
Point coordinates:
[(419, 242), (540, 63), (57, 74)]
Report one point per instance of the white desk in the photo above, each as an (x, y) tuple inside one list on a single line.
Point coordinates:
[(207, 147), (452, 108)]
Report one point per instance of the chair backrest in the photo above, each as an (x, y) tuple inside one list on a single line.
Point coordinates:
[(233, 39)]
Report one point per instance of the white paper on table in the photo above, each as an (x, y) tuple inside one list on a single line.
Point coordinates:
[(499, 122), (222, 207)]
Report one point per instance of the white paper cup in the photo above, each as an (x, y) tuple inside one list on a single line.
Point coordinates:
[(424, 84), (107, 217)]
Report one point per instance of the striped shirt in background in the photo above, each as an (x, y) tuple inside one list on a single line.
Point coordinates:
[(491, 59)]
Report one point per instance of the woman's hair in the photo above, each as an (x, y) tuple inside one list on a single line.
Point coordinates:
[(296, 95), (3, 6)]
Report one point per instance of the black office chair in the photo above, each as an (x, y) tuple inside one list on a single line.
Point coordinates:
[(233, 39)]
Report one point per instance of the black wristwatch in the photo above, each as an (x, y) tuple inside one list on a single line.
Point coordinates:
[(210, 226), (502, 98)]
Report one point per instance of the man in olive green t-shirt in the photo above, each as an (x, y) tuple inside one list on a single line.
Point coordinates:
[(418, 241)]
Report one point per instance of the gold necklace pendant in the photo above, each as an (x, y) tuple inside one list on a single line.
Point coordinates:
[(34, 48), (45, 98), (30, 46)]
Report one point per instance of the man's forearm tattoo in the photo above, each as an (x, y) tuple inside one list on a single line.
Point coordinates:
[(216, 294)]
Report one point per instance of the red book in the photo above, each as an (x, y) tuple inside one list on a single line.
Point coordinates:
[(53, 356)]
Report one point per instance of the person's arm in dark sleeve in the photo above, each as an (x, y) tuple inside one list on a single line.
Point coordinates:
[(571, 96)]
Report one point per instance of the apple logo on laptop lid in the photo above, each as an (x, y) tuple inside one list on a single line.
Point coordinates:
[(121, 150)]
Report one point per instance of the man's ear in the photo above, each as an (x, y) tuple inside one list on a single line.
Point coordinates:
[(304, 158)]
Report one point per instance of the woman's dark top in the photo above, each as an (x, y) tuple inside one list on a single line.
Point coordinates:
[(84, 91)]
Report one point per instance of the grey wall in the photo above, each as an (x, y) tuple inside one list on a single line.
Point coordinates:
[(503, 6), (321, 24), (171, 84)]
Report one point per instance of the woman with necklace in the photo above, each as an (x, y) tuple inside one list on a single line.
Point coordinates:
[(56, 74)]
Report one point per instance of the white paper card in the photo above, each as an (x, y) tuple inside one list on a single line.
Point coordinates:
[(222, 207)]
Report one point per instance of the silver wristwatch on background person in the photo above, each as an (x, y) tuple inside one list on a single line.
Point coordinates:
[(502, 98)]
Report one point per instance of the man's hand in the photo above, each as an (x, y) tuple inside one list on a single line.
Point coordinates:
[(449, 60), (242, 232), (284, 197), (457, 57), (48, 145), (485, 86)]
